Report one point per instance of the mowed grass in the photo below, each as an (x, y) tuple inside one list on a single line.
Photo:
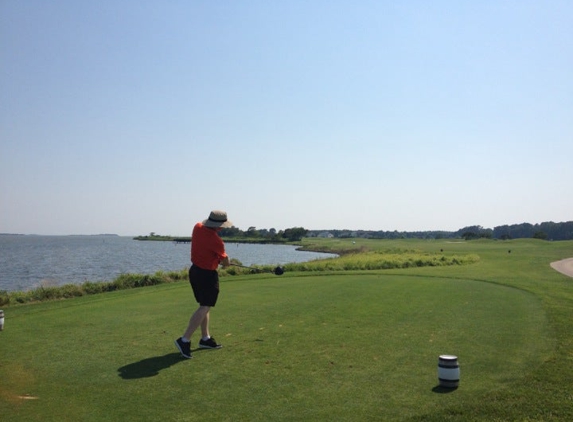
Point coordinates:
[(340, 346)]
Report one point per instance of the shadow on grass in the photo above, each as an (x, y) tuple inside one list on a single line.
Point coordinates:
[(149, 367), (443, 390)]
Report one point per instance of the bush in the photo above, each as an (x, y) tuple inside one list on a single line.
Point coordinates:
[(4, 297), (91, 288)]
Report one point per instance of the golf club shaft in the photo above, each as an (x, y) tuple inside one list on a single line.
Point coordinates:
[(276, 271), (249, 268)]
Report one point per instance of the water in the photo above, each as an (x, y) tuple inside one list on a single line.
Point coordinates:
[(27, 261)]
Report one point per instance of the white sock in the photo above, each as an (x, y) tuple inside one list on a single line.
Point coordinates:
[(205, 338), (184, 340)]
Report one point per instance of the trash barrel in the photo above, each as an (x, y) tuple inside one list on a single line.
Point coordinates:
[(448, 371)]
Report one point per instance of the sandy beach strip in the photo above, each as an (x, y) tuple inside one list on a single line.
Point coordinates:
[(565, 266)]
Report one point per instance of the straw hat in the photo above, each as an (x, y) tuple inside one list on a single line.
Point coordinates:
[(217, 219)]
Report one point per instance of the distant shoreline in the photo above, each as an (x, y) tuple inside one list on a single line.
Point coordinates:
[(228, 240), (60, 235)]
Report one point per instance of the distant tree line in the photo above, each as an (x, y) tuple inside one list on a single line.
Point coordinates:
[(548, 230), (294, 234)]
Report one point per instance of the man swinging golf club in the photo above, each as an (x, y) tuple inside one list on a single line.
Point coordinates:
[(207, 252)]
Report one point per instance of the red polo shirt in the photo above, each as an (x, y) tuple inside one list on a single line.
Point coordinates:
[(207, 248)]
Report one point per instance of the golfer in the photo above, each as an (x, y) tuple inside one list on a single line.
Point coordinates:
[(207, 252)]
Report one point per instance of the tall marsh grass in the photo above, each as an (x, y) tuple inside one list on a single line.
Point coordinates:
[(48, 291), (377, 260)]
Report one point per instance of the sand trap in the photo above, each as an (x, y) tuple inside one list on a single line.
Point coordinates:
[(564, 266)]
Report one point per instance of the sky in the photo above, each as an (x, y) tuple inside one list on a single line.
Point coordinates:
[(137, 116)]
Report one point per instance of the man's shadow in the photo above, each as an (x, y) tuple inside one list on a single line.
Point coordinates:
[(149, 367)]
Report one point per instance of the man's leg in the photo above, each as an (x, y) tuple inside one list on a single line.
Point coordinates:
[(205, 326), (207, 342), (197, 319)]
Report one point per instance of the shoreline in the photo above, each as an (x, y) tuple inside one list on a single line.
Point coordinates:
[(565, 266)]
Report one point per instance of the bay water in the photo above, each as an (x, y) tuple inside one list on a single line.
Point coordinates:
[(26, 262)]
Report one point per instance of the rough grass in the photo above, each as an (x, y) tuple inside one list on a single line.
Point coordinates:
[(383, 260)]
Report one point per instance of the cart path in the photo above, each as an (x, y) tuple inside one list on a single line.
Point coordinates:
[(565, 266)]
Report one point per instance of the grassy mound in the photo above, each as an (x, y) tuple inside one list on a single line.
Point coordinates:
[(381, 260)]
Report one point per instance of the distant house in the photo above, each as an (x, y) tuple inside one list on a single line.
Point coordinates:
[(327, 235)]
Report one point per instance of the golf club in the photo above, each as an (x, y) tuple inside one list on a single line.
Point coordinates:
[(275, 271)]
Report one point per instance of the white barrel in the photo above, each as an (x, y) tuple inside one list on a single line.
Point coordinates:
[(448, 371)]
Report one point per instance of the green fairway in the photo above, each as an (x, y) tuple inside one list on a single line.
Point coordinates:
[(340, 346)]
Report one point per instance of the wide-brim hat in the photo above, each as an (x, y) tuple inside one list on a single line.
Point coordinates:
[(217, 219)]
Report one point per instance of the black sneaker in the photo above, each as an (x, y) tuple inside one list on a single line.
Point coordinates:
[(184, 348), (209, 344)]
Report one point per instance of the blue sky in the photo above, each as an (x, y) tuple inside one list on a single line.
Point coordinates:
[(136, 116)]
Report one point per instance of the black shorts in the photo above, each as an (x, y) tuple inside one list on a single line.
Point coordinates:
[(205, 285)]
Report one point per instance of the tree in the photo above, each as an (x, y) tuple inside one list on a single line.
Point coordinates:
[(470, 236), (230, 232), (252, 232), (295, 234)]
